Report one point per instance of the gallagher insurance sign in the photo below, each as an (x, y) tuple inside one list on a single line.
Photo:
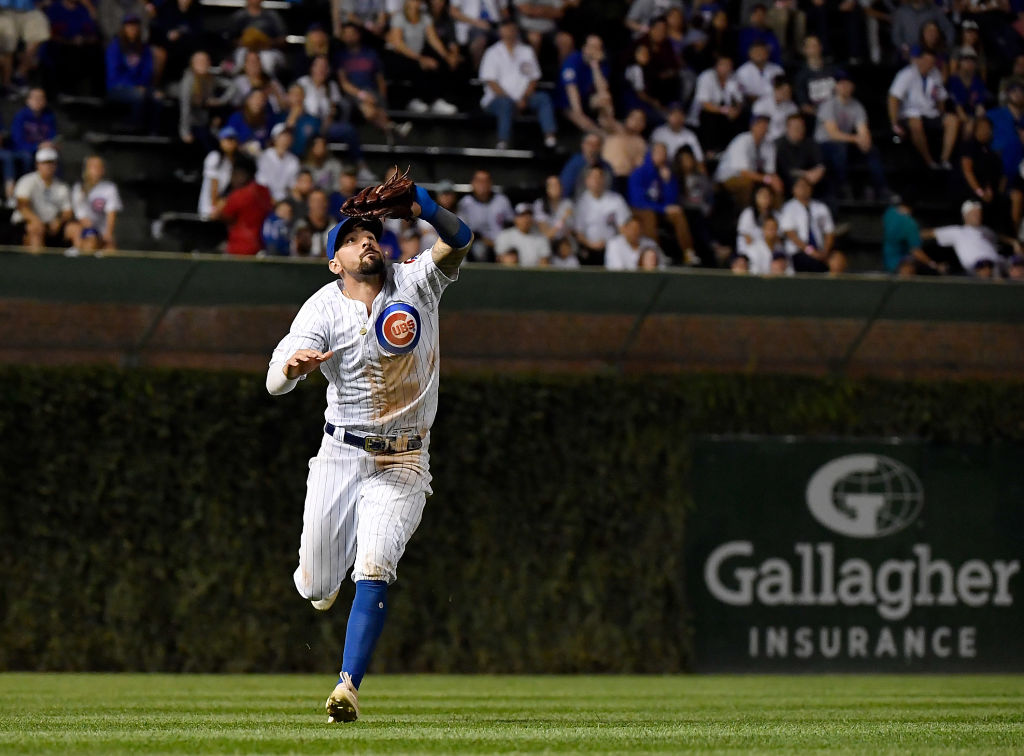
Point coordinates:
[(810, 555)]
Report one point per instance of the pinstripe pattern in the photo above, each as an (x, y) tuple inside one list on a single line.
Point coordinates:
[(361, 509)]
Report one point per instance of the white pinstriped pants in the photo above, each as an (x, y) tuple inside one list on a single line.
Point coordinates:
[(361, 509)]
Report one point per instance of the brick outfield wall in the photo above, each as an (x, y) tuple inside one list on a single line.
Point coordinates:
[(242, 338)]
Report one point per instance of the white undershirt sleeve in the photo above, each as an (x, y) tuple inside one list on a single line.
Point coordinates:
[(277, 382)]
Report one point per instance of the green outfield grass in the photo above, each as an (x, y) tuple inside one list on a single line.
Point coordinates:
[(108, 714)]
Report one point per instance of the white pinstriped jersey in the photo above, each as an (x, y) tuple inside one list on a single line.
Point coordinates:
[(383, 376)]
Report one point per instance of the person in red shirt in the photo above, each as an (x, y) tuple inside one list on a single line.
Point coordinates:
[(244, 209)]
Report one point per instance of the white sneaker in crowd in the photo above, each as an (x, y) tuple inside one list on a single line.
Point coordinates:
[(403, 129), (443, 107), (416, 105)]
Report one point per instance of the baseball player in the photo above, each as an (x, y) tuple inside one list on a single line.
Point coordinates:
[(373, 334)]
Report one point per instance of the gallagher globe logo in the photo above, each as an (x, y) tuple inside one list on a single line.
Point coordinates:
[(865, 495), (398, 328)]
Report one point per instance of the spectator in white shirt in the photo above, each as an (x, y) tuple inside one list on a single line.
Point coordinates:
[(510, 72), (765, 256), (674, 134), (278, 167), (748, 161), (532, 248), (475, 22), (755, 77), (599, 215), (486, 212), (810, 233), (778, 106), (717, 105), (918, 98), (625, 249), (565, 254), (750, 225), (217, 167), (44, 204), (976, 246), (96, 202)]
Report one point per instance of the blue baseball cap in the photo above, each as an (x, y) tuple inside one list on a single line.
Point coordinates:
[(347, 222), (228, 132)]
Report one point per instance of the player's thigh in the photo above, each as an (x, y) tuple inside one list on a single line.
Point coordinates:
[(327, 545), (390, 508)]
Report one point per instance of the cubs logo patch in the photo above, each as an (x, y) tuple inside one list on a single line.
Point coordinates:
[(411, 260), (398, 328)]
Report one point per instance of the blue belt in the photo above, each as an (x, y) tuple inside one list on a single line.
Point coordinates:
[(375, 444)]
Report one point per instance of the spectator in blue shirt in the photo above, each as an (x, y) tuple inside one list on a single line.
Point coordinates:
[(1007, 123), (654, 196), (31, 126), (574, 172), (361, 76), (20, 21), (74, 46), (130, 75), (582, 93), (966, 88), (758, 31), (253, 121), (277, 230)]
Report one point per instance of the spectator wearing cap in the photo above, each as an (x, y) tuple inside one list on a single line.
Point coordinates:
[(259, 30), (810, 233), (674, 134), (277, 166), (967, 90), (757, 30), (747, 162), (975, 245), (765, 255), (201, 94), (21, 22), (844, 136), (796, 154), (717, 105), (917, 104), (778, 106), (625, 249), (533, 247), (486, 212), (901, 239), (755, 77), (130, 76), (217, 167), (418, 54), (31, 126), (582, 94), (908, 19), (815, 80), (44, 205), (244, 209), (510, 72), (95, 201), (599, 215), (654, 197)]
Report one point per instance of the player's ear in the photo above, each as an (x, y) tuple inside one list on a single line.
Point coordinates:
[(334, 266)]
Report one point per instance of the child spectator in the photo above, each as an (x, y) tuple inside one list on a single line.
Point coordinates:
[(217, 168), (96, 202), (244, 209), (565, 254), (31, 126), (277, 230), (130, 76), (764, 256)]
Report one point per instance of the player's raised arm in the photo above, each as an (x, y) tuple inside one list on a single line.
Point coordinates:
[(453, 236)]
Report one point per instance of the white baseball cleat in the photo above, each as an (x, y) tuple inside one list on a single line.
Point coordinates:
[(343, 703)]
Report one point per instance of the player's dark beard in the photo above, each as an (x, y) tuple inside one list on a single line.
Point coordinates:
[(371, 265)]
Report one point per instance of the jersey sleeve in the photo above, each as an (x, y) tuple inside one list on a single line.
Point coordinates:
[(309, 330), (421, 277)]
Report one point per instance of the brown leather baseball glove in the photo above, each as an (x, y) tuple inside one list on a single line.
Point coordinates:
[(392, 199)]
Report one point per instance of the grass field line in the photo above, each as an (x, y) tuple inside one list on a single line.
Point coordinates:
[(283, 714)]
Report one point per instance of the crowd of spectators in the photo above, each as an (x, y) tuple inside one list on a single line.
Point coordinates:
[(716, 134)]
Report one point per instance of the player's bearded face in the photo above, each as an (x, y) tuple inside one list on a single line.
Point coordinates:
[(361, 254)]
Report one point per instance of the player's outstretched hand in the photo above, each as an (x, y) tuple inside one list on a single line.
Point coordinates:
[(305, 361)]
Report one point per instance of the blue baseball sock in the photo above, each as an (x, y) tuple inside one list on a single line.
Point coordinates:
[(365, 621)]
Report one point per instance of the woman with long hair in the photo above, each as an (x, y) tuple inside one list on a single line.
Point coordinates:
[(96, 202), (748, 227), (217, 169), (201, 94), (252, 77), (553, 212)]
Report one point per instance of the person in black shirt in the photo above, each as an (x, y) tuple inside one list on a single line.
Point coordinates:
[(982, 172), (798, 155)]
